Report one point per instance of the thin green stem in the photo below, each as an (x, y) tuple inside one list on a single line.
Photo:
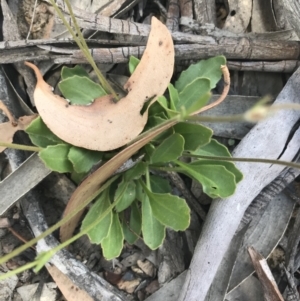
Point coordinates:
[(252, 160), (83, 46), (229, 118), (58, 224), (18, 270), (147, 174), (21, 147), (86, 229)]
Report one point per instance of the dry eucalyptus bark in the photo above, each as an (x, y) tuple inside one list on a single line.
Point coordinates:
[(186, 11), (205, 11), (292, 13), (265, 66), (173, 15), (268, 139)]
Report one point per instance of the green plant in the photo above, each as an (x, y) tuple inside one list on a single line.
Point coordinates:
[(144, 205), (137, 202)]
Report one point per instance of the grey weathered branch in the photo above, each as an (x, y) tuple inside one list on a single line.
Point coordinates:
[(232, 48), (268, 139)]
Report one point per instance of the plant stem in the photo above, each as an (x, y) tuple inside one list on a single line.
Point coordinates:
[(252, 160), (20, 147), (148, 184), (83, 46), (18, 270), (229, 118), (22, 248)]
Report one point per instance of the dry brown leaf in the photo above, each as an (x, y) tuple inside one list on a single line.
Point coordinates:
[(70, 291), (106, 125), (8, 129), (270, 288)]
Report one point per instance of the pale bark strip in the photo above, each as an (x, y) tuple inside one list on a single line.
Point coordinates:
[(205, 11), (266, 140), (239, 16), (264, 66), (186, 10), (173, 16), (292, 14)]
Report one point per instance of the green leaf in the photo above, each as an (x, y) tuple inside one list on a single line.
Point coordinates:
[(100, 231), (133, 62), (139, 191), (126, 195), (55, 157), (169, 210), (77, 177), (164, 104), (195, 135), (228, 165), (135, 172), (210, 69), (112, 244), (80, 90), (198, 104), (216, 180), (67, 72), (170, 149), (83, 159), (195, 95), (40, 135), (153, 231), (174, 97), (154, 121), (133, 230), (213, 148), (155, 108), (148, 149), (159, 184)]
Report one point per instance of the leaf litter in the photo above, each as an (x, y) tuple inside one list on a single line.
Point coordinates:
[(110, 124)]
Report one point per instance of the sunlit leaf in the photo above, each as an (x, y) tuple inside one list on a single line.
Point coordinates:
[(210, 68), (133, 62), (67, 72), (80, 90)]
